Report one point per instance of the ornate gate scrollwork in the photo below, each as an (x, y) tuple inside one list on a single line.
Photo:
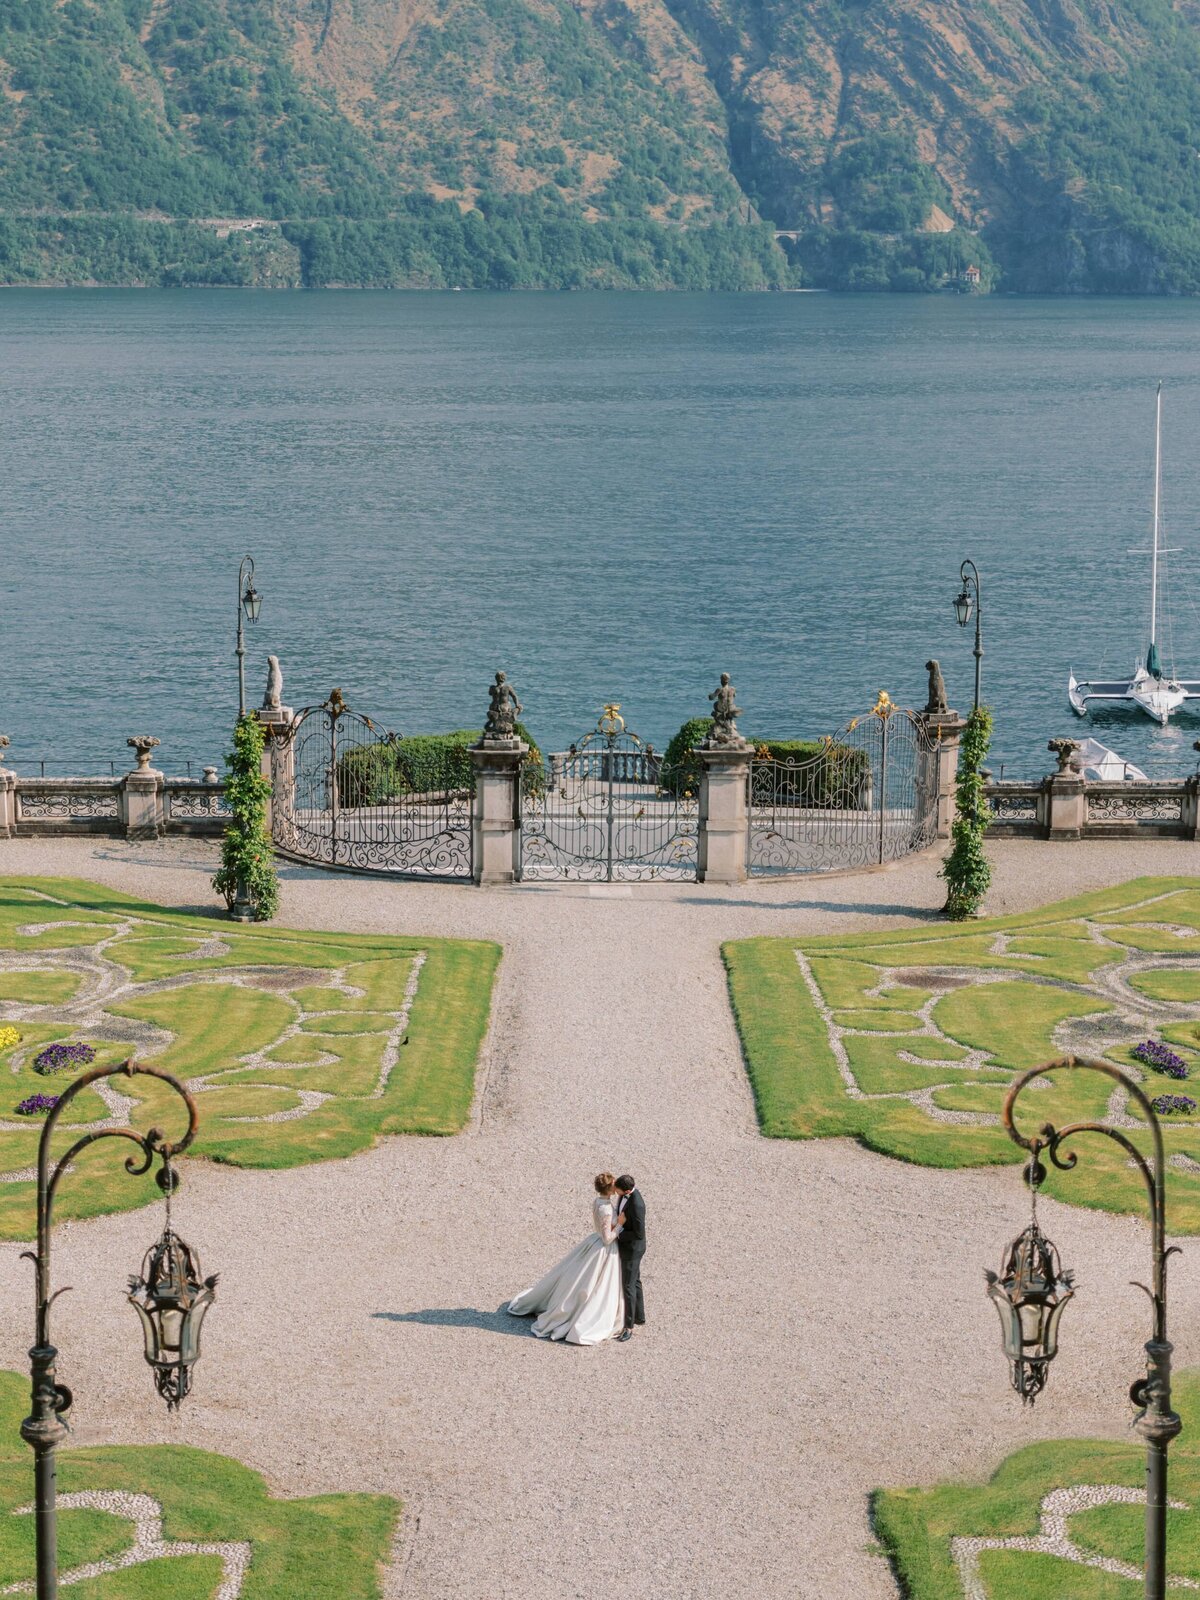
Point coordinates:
[(869, 795), (600, 813), (346, 793)]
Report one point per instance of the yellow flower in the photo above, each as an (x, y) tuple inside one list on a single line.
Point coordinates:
[(8, 1037)]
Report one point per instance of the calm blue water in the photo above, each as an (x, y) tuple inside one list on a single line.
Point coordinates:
[(611, 496)]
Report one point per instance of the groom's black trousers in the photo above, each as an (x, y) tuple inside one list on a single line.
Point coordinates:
[(631, 1281)]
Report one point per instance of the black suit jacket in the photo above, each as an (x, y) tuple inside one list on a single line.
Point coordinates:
[(634, 1218)]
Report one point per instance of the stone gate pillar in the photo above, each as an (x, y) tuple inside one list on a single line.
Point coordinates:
[(938, 766), (8, 795), (723, 844), (496, 809), (276, 724), (724, 757), (496, 806), (945, 730)]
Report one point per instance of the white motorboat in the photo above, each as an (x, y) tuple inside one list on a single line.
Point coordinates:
[(1152, 690)]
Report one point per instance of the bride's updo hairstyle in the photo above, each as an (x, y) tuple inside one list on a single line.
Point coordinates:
[(605, 1183)]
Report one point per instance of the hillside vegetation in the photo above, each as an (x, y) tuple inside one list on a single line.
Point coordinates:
[(674, 143)]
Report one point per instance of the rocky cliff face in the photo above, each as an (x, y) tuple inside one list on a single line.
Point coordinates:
[(1059, 132)]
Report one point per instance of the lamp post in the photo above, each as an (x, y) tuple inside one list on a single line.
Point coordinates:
[(249, 605), (1032, 1290), (168, 1295), (970, 598)]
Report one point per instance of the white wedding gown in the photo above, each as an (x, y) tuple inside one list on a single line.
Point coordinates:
[(580, 1300)]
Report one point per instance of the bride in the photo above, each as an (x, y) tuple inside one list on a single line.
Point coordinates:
[(580, 1300)]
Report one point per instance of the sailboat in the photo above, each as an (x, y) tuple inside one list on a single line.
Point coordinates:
[(1152, 690)]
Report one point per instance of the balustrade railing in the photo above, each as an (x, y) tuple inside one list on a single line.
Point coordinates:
[(1066, 805), (1139, 806), (194, 805), (1016, 808), (140, 804), (68, 805)]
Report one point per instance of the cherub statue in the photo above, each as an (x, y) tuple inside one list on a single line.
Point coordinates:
[(937, 702), (273, 697), (724, 713), (503, 710)]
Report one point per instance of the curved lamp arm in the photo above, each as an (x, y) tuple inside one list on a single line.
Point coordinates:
[(1051, 1139), (152, 1143), (245, 576)]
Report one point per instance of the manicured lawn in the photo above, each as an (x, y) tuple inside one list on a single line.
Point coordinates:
[(926, 1531), (316, 1549), (298, 1046), (908, 1041)]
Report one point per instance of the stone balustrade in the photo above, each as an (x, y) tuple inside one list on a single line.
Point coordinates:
[(141, 804), (1066, 805)]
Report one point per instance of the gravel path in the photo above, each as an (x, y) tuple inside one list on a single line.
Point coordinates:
[(818, 1324)]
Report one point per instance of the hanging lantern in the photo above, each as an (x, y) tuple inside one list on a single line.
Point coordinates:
[(1030, 1292), (962, 607), (171, 1299)]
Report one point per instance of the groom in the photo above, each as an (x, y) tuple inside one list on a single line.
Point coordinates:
[(631, 1242)]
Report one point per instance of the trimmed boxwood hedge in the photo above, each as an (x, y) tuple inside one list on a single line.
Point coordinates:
[(418, 763), (838, 782)]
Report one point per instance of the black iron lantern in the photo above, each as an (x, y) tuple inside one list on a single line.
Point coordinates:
[(1030, 1292), (171, 1299), (962, 607), (252, 601)]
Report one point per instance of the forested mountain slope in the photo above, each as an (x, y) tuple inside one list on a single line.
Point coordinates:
[(1052, 143)]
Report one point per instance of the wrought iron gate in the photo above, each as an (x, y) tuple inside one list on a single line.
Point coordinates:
[(345, 793), (599, 812), (869, 795)]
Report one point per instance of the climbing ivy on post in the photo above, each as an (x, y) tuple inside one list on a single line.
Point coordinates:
[(247, 875), (967, 871)]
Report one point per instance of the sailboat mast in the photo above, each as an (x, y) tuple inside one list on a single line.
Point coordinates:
[(1157, 499)]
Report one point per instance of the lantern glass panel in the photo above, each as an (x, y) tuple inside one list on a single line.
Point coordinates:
[(1031, 1323), (962, 608)]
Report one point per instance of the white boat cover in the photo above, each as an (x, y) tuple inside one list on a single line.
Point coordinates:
[(1101, 762)]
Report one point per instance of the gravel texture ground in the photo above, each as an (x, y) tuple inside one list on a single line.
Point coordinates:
[(817, 1318)]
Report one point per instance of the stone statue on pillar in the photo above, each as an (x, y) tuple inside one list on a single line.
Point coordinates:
[(273, 696), (725, 712), (503, 710), (937, 705)]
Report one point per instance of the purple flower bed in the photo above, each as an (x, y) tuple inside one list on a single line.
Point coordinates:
[(1166, 1104), (1160, 1058), (37, 1105), (62, 1057)]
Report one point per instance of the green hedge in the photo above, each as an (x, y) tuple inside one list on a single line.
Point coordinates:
[(838, 782), (420, 763)]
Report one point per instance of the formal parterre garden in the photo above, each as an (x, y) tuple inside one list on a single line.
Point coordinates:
[(908, 1041), (1059, 1520), (143, 1522), (298, 1046)]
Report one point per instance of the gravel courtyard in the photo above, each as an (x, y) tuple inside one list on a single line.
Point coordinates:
[(817, 1319)]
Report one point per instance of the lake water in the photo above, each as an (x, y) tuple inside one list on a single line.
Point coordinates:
[(612, 496)]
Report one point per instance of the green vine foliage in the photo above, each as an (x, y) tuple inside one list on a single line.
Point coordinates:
[(967, 871), (246, 852)]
